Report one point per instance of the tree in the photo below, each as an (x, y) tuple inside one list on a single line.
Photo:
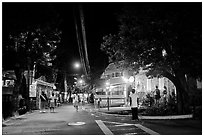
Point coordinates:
[(29, 46), (161, 38)]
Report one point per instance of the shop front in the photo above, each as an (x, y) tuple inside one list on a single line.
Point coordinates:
[(36, 89)]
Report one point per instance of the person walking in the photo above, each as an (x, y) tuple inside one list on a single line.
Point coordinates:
[(76, 102), (134, 104), (43, 99), (52, 102)]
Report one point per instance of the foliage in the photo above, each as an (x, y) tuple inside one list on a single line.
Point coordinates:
[(35, 45), (164, 39), (161, 110)]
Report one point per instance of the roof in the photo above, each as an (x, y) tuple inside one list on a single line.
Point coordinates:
[(113, 67)]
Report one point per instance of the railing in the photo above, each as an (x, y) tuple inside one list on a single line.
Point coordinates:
[(108, 100)]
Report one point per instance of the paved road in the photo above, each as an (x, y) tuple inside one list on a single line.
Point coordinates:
[(64, 122)]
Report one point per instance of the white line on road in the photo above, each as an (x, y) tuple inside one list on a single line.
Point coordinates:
[(151, 132), (103, 127)]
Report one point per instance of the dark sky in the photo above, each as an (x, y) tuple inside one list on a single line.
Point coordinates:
[(100, 20)]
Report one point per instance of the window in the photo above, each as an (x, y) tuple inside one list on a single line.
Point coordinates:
[(117, 74), (113, 75), (118, 90)]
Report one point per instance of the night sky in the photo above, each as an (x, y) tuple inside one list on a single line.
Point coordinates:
[(100, 20)]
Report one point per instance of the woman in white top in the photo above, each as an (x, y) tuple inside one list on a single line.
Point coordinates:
[(134, 105)]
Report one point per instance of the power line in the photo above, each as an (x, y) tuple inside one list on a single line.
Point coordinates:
[(79, 44), (84, 37)]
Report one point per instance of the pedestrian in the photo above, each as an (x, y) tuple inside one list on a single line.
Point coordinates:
[(43, 99), (52, 102), (134, 104), (165, 95), (157, 95), (76, 101)]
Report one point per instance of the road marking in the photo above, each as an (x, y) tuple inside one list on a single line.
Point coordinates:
[(147, 130), (103, 127), (151, 132), (123, 129), (126, 124)]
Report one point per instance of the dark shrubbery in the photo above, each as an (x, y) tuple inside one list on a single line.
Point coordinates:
[(198, 113), (160, 111)]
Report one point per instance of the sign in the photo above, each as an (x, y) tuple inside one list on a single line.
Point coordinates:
[(32, 90)]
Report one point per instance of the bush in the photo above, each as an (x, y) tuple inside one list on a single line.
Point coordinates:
[(159, 111), (198, 112)]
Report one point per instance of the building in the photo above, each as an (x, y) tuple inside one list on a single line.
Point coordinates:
[(114, 86), (8, 81), (119, 82), (36, 89)]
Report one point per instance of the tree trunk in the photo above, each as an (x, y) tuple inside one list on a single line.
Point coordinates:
[(17, 86), (182, 96), (185, 90)]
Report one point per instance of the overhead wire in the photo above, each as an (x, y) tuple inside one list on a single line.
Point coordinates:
[(79, 44), (84, 37)]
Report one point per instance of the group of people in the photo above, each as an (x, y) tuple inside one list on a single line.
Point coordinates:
[(164, 98), (44, 100), (77, 100), (134, 100)]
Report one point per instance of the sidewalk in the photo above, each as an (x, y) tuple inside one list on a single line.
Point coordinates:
[(15, 117), (165, 125), (116, 110)]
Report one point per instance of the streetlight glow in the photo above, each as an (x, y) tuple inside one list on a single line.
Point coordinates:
[(131, 79), (80, 81), (77, 65)]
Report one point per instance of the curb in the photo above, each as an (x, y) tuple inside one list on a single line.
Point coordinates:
[(167, 117), (152, 117)]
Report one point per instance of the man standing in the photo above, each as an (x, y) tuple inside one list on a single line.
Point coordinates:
[(43, 99), (134, 105), (157, 95)]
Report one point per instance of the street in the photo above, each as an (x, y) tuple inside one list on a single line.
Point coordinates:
[(64, 122), (87, 121)]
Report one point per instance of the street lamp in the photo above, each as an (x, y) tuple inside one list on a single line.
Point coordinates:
[(75, 78), (77, 65), (80, 81)]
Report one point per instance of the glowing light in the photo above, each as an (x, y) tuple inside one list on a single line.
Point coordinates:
[(125, 79), (131, 79), (107, 83), (54, 87), (77, 65), (75, 78), (164, 53), (80, 81)]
